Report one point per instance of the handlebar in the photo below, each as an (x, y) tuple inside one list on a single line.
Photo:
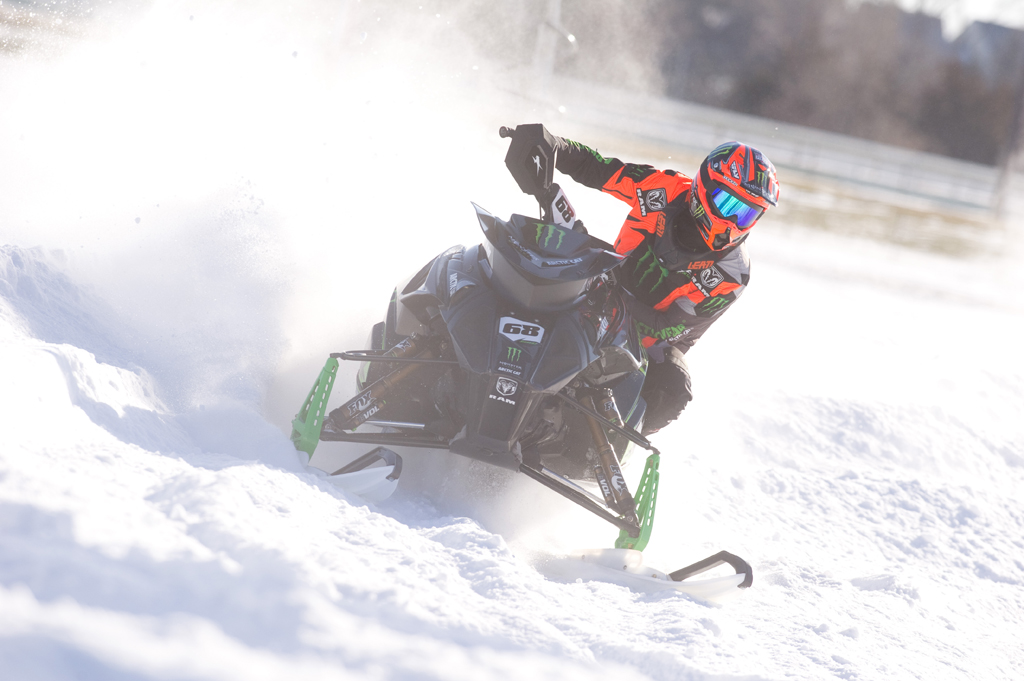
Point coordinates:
[(531, 160)]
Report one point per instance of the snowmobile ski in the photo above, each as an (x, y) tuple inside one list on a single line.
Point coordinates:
[(626, 567), (373, 484)]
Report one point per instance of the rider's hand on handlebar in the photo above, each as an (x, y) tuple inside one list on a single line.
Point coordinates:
[(531, 157)]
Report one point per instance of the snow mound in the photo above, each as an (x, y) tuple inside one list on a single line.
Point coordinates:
[(140, 543)]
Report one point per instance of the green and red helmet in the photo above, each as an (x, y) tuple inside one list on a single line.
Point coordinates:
[(736, 184)]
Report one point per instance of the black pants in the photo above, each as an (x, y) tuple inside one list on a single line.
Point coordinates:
[(666, 391)]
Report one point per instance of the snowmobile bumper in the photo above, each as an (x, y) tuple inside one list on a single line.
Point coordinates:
[(309, 421), (646, 501)]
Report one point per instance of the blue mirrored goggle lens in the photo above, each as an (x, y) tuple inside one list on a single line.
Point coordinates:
[(730, 206)]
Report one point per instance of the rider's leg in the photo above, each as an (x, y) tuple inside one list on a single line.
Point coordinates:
[(666, 391)]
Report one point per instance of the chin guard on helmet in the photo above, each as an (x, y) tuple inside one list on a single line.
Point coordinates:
[(736, 184)]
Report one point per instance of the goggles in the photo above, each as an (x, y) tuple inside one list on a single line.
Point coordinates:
[(733, 208)]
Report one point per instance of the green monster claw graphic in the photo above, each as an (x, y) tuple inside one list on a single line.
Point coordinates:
[(654, 264), (721, 152), (713, 304), (551, 232)]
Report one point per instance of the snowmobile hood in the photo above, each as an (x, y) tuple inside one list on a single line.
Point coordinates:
[(541, 265)]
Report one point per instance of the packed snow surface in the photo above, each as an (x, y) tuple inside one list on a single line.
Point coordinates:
[(195, 216)]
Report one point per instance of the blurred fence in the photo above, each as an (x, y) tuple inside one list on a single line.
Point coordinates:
[(695, 129)]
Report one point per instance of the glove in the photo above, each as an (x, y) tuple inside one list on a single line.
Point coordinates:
[(531, 158)]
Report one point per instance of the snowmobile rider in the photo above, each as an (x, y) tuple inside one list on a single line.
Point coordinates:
[(687, 257)]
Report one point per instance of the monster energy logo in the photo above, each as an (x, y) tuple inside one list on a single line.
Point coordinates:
[(723, 150), (713, 304), (653, 267), (551, 230), (513, 354), (667, 333), (638, 172)]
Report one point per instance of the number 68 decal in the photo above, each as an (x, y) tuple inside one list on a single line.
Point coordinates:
[(518, 330)]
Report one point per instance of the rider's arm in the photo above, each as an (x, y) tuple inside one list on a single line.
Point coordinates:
[(584, 164), (610, 175), (645, 189)]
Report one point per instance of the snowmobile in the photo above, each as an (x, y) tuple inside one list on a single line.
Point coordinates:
[(519, 352)]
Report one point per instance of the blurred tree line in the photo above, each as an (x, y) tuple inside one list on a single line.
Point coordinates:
[(867, 70), (859, 67)]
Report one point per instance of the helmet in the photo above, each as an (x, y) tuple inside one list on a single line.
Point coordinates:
[(734, 186)]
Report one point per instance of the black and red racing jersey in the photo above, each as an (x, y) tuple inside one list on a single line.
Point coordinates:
[(680, 285)]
